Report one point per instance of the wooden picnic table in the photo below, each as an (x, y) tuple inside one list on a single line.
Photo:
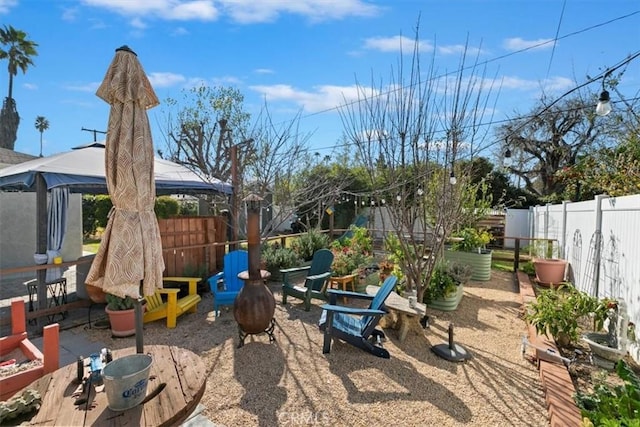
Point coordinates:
[(399, 305), (181, 370)]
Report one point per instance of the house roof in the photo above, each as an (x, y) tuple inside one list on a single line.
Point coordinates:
[(10, 157)]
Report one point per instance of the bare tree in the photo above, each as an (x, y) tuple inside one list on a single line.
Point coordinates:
[(411, 134), (201, 130)]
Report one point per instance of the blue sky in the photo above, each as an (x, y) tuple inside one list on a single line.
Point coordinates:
[(301, 55)]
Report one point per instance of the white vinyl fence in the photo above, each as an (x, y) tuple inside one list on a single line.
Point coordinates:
[(601, 240)]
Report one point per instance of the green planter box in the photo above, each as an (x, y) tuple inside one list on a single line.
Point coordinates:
[(449, 303), (480, 262)]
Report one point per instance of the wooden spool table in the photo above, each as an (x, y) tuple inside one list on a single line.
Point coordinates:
[(181, 370), (400, 306)]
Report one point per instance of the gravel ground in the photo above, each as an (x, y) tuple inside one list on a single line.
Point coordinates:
[(291, 383)]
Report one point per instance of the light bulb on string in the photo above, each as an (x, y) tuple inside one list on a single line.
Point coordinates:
[(398, 197), (604, 105), (420, 192), (452, 179)]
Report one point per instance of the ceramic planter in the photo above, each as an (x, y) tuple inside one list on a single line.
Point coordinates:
[(549, 271), (480, 262), (449, 303), (123, 322)]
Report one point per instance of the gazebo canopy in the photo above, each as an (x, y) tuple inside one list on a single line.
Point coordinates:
[(82, 171)]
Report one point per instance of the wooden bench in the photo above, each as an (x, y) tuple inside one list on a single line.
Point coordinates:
[(400, 306), (157, 308)]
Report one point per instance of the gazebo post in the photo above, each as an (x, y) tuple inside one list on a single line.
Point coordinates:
[(41, 237)]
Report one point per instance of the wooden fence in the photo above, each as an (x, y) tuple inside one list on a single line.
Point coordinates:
[(193, 246)]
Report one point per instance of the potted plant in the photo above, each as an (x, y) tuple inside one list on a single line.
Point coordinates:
[(446, 286), (557, 312), (470, 247), (121, 315), (549, 271)]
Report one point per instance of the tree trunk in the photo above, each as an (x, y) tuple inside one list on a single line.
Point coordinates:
[(9, 121)]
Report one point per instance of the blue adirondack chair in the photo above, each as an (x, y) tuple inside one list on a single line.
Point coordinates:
[(357, 326), (315, 282), (359, 221), (226, 285)]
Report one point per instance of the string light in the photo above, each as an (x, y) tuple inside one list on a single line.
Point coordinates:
[(452, 178)]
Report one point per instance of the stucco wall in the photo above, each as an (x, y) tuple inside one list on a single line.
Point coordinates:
[(18, 229)]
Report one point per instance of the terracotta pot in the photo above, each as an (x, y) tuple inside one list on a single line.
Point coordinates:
[(123, 322), (550, 271)]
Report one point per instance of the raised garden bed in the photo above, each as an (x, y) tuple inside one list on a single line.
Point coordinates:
[(30, 363)]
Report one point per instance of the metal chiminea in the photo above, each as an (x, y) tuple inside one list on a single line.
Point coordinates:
[(255, 305)]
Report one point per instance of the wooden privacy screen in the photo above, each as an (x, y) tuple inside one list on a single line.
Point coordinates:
[(189, 245)]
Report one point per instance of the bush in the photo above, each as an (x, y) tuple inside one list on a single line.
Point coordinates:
[(308, 243), (117, 303), (276, 257), (166, 207), (352, 253), (558, 311), (613, 405), (445, 279), (473, 239)]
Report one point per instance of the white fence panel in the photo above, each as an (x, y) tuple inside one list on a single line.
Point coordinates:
[(516, 224), (601, 240)]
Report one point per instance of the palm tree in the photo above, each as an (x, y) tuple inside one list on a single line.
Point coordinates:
[(42, 124), (18, 52)]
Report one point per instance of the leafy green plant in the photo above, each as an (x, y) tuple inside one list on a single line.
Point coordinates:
[(116, 303), (308, 243), (473, 239), (352, 253), (528, 268), (610, 405), (558, 311), (276, 257), (446, 278)]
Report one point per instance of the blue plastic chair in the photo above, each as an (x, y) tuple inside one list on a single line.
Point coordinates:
[(357, 326), (226, 285)]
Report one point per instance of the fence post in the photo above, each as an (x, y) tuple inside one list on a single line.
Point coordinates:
[(598, 242), (516, 255), (562, 245)]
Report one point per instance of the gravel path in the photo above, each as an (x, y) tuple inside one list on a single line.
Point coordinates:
[(291, 383)]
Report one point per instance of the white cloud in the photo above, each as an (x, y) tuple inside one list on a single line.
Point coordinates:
[(550, 84), (87, 87), (322, 98), (5, 5), (69, 14), (159, 79), (253, 11), (458, 49), (179, 31), (263, 71), (517, 43), (178, 10), (138, 23), (395, 43), (30, 86)]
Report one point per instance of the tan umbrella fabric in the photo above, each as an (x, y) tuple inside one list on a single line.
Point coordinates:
[(131, 249)]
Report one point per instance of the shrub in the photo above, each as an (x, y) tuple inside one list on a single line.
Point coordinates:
[(308, 243), (473, 239), (352, 253), (445, 279), (558, 311), (276, 257), (612, 405), (166, 207)]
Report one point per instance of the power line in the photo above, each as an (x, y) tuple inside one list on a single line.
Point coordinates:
[(488, 61)]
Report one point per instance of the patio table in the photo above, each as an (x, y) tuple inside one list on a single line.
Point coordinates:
[(181, 370), (400, 305)]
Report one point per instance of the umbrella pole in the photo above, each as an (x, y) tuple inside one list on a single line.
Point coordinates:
[(137, 306)]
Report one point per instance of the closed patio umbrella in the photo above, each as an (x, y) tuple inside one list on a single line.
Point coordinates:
[(130, 253)]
